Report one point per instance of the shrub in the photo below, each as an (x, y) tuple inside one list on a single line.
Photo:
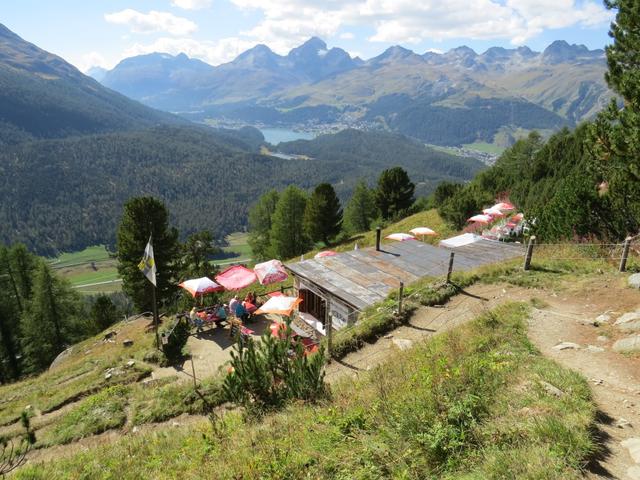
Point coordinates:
[(267, 374), (176, 338)]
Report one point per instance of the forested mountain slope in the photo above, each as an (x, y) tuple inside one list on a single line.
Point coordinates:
[(42, 96), (66, 194)]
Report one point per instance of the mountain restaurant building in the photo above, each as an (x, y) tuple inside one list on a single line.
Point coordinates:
[(335, 289)]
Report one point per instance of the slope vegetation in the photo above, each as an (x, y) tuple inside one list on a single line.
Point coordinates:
[(66, 194)]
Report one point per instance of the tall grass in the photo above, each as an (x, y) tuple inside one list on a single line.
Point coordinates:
[(469, 404)]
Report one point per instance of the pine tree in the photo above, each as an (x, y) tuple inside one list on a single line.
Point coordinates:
[(260, 222), (361, 209), (195, 254), (323, 214), (394, 194), (47, 324), (615, 134), (103, 313), (288, 238), (141, 217), (22, 264), (10, 309)]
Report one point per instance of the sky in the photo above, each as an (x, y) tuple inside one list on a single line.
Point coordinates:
[(102, 32)]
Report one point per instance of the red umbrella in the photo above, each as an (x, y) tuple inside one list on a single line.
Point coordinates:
[(236, 278), (326, 253), (503, 206)]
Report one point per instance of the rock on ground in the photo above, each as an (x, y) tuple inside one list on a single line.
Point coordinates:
[(634, 280), (628, 344), (628, 317), (567, 346)]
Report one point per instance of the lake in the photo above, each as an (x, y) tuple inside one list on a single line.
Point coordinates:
[(276, 135)]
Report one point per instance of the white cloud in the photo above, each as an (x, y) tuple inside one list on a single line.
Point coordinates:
[(288, 22), (214, 53), (191, 4), (347, 36), (151, 22), (92, 59)]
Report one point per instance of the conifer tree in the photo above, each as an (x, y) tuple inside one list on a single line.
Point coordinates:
[(288, 238), (48, 322), (103, 312), (260, 222), (615, 134), (361, 209), (195, 254), (394, 194), (22, 264), (323, 214), (141, 217)]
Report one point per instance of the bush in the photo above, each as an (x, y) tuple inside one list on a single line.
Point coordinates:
[(267, 374), (176, 338)]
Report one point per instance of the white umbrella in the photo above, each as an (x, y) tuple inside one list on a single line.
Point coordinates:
[(201, 286), (422, 231), (504, 206), (480, 219), (493, 211), (400, 237)]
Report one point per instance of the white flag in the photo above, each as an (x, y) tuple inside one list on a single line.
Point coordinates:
[(148, 264)]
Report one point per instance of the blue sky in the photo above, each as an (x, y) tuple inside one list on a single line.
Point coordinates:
[(102, 32)]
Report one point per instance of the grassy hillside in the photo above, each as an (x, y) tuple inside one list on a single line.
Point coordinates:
[(457, 407)]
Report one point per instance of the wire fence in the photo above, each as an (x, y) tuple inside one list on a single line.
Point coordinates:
[(612, 253)]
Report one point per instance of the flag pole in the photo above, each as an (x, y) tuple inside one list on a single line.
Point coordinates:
[(153, 298)]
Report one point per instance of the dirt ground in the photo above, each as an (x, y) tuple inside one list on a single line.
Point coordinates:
[(614, 377)]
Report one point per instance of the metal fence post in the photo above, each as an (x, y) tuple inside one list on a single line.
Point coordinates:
[(625, 254), (400, 296), (450, 270), (529, 254)]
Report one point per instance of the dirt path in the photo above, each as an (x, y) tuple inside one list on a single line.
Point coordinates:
[(614, 377), (427, 321)]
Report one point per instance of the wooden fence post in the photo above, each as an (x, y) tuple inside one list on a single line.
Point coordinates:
[(400, 296), (450, 270), (328, 327), (625, 254), (529, 254)]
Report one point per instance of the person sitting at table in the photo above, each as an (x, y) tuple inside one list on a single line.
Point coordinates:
[(241, 312), (233, 304), (196, 320), (221, 313)]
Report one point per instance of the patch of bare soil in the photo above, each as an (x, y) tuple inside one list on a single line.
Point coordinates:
[(427, 321), (615, 378)]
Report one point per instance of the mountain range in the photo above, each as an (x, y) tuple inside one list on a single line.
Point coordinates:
[(445, 98), (42, 96), (73, 151)]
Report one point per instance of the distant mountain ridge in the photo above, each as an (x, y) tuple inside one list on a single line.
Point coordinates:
[(43, 96), (315, 85)]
